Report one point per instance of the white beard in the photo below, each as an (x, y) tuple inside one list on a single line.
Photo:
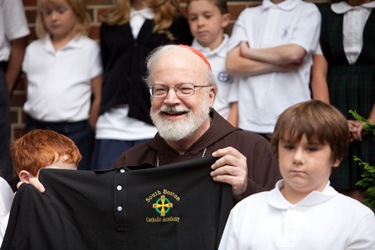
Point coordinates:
[(175, 130)]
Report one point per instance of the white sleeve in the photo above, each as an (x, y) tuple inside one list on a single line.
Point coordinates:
[(239, 30), (307, 30), (363, 235), (318, 50), (16, 24), (96, 66)]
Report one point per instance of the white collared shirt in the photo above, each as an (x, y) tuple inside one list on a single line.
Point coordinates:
[(355, 18), (59, 82), (321, 221), (137, 18), (262, 98)]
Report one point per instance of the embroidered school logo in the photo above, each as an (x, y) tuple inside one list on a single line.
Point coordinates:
[(285, 32), (162, 202), (223, 76), (162, 205)]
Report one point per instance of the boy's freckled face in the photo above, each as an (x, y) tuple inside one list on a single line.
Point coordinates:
[(305, 167)]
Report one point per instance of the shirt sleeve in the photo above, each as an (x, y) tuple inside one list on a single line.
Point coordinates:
[(16, 24), (363, 234), (96, 67), (307, 30), (239, 30)]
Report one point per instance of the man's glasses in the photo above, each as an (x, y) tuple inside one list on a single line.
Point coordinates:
[(181, 90)]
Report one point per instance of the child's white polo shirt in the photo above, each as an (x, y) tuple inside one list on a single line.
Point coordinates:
[(263, 97), (59, 82)]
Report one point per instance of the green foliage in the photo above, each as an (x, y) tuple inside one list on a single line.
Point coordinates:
[(368, 177), (368, 125), (367, 182)]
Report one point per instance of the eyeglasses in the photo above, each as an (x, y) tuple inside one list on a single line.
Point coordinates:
[(181, 90)]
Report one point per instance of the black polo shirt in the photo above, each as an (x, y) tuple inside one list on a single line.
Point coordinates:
[(176, 206)]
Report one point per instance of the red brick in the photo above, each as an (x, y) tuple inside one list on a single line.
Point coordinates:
[(18, 132), (94, 32), (29, 2), (31, 15)]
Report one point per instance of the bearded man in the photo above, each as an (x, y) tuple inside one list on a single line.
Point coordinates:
[(183, 90)]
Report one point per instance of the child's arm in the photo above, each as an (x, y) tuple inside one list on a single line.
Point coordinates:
[(17, 52), (233, 114), (279, 55), (371, 117), (237, 64), (319, 86), (96, 85)]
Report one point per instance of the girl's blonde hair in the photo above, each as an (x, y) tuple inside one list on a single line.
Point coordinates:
[(82, 17), (164, 10)]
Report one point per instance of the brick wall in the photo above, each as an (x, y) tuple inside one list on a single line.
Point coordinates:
[(96, 7)]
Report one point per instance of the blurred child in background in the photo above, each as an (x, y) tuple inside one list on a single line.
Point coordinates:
[(208, 20), (270, 53), (13, 40), (346, 66), (63, 70)]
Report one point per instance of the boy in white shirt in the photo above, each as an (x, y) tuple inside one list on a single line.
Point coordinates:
[(303, 211), (13, 40), (270, 50), (207, 21)]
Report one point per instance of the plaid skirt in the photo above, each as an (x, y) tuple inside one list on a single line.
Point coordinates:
[(353, 87)]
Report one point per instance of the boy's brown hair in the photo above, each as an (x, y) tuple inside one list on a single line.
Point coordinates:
[(221, 4), (40, 148), (320, 122)]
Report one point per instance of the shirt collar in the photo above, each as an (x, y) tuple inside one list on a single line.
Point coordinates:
[(221, 50), (276, 199), (284, 5), (147, 13), (343, 7), (74, 43)]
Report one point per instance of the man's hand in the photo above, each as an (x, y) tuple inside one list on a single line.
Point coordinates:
[(230, 168)]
